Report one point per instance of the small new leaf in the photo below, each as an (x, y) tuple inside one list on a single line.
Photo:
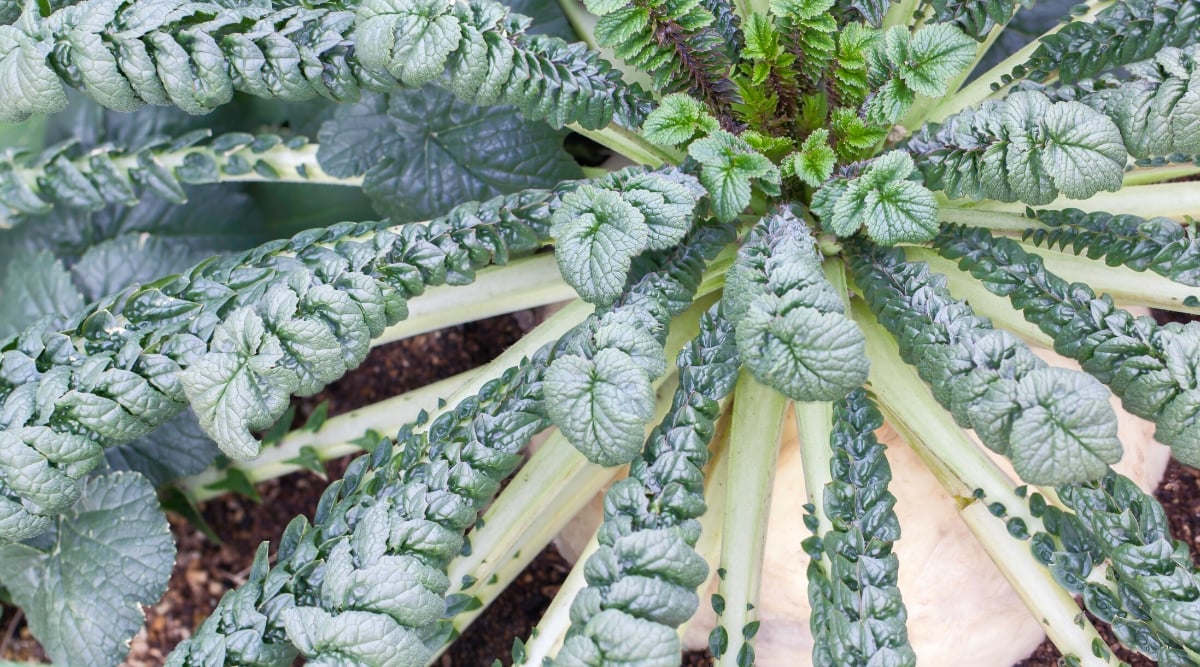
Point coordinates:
[(894, 210), (814, 162), (933, 57), (729, 165), (677, 119)]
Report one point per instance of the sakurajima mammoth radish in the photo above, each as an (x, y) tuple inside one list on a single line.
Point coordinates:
[(959, 605)]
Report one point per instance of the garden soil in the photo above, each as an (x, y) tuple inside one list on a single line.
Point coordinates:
[(204, 570)]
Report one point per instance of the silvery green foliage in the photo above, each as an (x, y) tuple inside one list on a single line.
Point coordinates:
[(1111, 523), (106, 556), (1024, 148), (35, 285), (1157, 244), (858, 617), (792, 332), (372, 563), (70, 176), (1158, 110), (1055, 425), (126, 54), (600, 391), (421, 151), (233, 337), (365, 582), (600, 228), (642, 581), (1154, 369)]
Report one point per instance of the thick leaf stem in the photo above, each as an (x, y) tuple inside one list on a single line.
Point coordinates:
[(539, 501), (1123, 284), (65, 176), (528, 282), (963, 470), (631, 145), (1178, 201), (753, 448), (335, 438), (548, 635), (1151, 175), (505, 538), (999, 222), (814, 424)]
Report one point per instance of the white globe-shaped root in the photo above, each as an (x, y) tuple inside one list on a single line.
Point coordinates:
[(959, 605)]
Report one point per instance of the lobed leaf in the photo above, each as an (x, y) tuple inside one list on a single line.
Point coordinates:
[(791, 331), (601, 405), (111, 554), (728, 165), (892, 208), (988, 379), (1025, 148), (1155, 370)]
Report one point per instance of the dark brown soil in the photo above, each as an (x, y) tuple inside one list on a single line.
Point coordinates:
[(204, 570)]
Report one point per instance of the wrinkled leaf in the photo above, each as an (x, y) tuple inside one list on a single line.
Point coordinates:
[(805, 354), (237, 387), (597, 235), (601, 405), (112, 553), (1067, 432)]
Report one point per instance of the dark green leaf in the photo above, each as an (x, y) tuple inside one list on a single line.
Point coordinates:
[(34, 286), (421, 152)]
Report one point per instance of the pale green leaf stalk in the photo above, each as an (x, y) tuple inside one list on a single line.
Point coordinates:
[(962, 469), (753, 448)]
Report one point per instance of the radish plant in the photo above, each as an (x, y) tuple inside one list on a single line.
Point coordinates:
[(811, 187)]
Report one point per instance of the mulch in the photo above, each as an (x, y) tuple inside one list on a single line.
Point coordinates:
[(204, 570)]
